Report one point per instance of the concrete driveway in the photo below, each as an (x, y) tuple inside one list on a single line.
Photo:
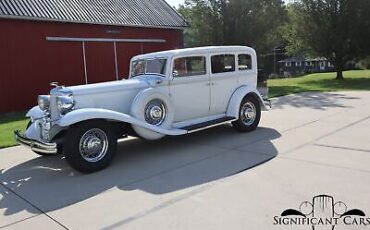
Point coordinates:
[(309, 144)]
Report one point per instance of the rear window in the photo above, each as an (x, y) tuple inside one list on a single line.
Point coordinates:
[(189, 66), (223, 63), (244, 62)]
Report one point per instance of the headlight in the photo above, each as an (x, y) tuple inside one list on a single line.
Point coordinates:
[(65, 104), (44, 102)]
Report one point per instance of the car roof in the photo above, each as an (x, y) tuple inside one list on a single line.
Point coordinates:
[(196, 50)]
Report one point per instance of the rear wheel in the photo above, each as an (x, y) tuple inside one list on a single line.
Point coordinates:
[(249, 115), (90, 146)]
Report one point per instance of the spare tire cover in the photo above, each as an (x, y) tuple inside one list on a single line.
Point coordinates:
[(139, 109)]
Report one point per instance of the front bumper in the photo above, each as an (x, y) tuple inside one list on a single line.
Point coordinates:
[(37, 146)]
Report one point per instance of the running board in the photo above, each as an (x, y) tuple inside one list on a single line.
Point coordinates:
[(207, 124)]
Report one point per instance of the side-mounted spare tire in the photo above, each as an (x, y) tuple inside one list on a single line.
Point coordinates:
[(152, 107)]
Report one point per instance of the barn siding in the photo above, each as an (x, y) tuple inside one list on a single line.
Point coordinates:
[(28, 63)]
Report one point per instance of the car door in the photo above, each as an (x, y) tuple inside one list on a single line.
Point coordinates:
[(224, 81), (247, 68), (190, 87)]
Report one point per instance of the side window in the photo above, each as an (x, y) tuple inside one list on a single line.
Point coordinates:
[(189, 66), (244, 62), (223, 63)]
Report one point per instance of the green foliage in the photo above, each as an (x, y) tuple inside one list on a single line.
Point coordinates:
[(363, 64), (320, 82), (8, 123), (336, 29), (234, 22)]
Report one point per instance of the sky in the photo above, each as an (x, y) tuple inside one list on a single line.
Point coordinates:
[(175, 2)]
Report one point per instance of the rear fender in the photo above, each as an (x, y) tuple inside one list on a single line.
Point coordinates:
[(237, 97)]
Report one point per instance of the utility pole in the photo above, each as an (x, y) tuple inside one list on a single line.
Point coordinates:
[(275, 61), (275, 49)]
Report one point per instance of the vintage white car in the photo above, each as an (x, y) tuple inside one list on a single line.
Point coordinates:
[(168, 93)]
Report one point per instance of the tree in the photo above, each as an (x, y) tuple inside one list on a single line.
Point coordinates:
[(205, 20), (336, 29), (234, 22)]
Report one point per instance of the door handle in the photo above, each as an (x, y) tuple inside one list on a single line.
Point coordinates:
[(208, 84)]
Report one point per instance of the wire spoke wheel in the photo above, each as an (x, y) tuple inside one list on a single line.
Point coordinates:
[(93, 145)]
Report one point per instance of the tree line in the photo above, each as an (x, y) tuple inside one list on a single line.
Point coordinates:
[(338, 30)]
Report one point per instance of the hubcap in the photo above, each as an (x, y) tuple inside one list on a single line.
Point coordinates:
[(155, 112), (248, 113), (93, 145)]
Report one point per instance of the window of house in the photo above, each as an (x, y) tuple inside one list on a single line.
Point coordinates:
[(223, 63), (189, 66), (244, 62)]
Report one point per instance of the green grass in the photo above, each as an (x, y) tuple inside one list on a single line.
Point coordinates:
[(8, 123), (320, 82), (354, 80)]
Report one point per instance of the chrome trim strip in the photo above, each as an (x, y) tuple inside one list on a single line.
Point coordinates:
[(47, 148), (211, 126)]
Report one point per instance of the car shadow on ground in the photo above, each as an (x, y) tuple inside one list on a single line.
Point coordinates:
[(313, 100), (159, 167)]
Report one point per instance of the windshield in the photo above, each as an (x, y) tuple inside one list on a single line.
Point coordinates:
[(149, 66)]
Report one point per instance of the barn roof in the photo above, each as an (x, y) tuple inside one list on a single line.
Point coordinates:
[(136, 13)]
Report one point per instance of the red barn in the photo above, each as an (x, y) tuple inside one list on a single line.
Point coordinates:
[(77, 42)]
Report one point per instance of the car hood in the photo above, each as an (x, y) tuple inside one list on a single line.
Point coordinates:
[(106, 87)]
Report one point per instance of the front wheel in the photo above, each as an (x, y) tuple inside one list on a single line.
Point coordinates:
[(249, 115), (90, 146)]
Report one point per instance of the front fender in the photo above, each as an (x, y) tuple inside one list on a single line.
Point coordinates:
[(81, 115), (237, 97), (35, 113)]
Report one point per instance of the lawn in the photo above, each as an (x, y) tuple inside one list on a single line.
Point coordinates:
[(322, 82), (354, 80), (8, 123)]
